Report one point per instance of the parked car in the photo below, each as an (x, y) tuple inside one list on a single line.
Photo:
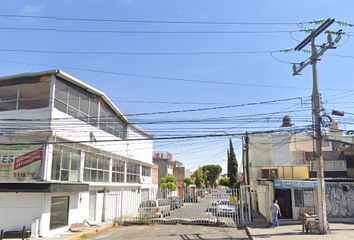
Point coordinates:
[(155, 208), (225, 209), (175, 202)]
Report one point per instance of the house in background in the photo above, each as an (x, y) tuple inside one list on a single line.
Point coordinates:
[(169, 167), (66, 151), (283, 163), (165, 164)]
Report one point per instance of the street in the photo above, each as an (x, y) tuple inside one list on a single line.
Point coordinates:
[(172, 232), (203, 210)]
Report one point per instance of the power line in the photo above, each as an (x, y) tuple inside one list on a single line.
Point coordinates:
[(138, 53), (144, 31), (146, 139), (177, 79), (150, 21), (215, 108)]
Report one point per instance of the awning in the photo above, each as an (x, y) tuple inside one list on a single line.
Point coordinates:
[(294, 184), (44, 187)]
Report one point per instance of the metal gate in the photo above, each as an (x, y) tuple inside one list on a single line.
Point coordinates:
[(221, 206)]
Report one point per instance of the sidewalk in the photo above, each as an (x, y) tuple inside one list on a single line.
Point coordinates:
[(338, 231)]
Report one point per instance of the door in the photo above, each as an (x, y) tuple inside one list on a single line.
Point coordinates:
[(284, 201), (92, 206)]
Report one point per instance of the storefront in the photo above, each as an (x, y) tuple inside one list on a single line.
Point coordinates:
[(294, 196)]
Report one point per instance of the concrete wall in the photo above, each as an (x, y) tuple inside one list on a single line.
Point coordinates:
[(39, 123), (18, 209), (340, 200)]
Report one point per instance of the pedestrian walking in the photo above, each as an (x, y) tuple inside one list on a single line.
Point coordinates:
[(275, 210)]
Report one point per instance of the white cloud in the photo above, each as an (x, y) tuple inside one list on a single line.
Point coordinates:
[(32, 9)]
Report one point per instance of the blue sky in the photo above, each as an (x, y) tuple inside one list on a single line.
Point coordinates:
[(253, 70)]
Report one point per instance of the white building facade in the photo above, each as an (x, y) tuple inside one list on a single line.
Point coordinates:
[(65, 148)]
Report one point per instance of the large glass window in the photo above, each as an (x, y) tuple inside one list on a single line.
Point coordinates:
[(83, 105), (59, 212), (65, 164), (24, 94), (96, 168), (146, 171), (109, 121), (118, 170), (133, 172), (34, 95)]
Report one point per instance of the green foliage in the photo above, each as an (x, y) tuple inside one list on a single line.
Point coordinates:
[(188, 181), (232, 166), (198, 176), (171, 186), (211, 174), (84, 236), (224, 181), (168, 182), (118, 222)]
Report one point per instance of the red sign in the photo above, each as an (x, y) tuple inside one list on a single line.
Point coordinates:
[(28, 158)]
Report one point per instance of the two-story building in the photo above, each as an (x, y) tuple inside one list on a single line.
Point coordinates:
[(64, 146), (284, 163)]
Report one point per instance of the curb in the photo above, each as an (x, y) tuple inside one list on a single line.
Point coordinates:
[(249, 233), (90, 232)]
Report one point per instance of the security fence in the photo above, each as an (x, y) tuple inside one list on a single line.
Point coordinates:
[(224, 206)]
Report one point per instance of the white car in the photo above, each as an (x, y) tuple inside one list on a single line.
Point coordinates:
[(225, 208)]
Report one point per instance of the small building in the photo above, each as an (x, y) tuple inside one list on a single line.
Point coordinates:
[(165, 164), (67, 154)]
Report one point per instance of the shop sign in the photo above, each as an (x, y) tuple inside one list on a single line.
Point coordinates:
[(20, 162), (294, 184)]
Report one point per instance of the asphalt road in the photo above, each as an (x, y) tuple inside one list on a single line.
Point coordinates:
[(171, 232), (194, 210)]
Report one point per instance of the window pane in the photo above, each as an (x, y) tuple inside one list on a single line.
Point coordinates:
[(65, 164), (60, 106), (8, 97), (75, 160), (298, 198), (100, 176), (35, 95), (93, 161), (87, 175), (8, 93), (73, 97), (93, 175), (100, 163), (93, 113), (65, 175), (106, 176), (56, 164), (84, 103), (61, 90)]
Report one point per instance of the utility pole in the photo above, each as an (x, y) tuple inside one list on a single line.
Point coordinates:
[(247, 177), (316, 110)]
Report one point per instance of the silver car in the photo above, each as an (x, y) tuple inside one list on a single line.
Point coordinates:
[(155, 208)]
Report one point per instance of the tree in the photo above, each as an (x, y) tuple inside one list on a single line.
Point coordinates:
[(211, 173), (224, 181), (188, 181), (233, 166), (228, 164), (168, 182), (198, 177)]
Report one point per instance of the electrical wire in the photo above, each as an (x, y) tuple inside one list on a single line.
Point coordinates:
[(56, 18), (137, 53), (142, 31)]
